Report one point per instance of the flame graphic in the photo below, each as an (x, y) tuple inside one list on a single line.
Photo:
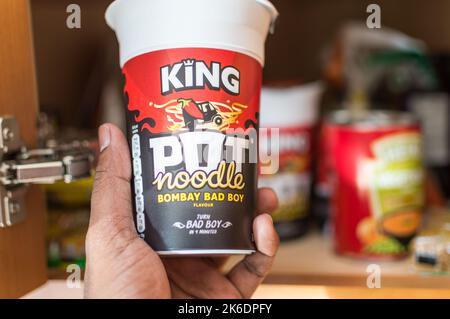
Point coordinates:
[(174, 114)]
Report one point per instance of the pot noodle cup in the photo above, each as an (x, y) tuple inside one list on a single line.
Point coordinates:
[(292, 110), (296, 105), (193, 72), (149, 25)]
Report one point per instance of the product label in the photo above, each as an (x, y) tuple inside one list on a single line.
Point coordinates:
[(192, 121), (292, 181), (395, 180)]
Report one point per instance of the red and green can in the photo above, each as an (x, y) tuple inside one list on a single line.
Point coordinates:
[(375, 171)]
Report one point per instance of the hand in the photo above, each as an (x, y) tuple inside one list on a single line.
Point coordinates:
[(121, 265)]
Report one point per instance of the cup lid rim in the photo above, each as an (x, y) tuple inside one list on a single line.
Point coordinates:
[(265, 3), (270, 7)]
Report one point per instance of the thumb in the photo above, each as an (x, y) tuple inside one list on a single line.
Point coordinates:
[(111, 195)]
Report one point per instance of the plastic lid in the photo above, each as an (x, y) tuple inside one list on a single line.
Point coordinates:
[(273, 13), (144, 26), (290, 106)]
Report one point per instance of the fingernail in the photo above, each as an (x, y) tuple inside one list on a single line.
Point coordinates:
[(269, 218), (104, 137), (266, 237)]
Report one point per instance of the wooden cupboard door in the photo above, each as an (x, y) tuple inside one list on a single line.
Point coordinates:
[(22, 246)]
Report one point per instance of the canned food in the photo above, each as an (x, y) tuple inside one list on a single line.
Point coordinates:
[(193, 102), (377, 182)]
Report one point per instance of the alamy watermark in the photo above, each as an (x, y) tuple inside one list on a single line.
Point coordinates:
[(73, 20), (374, 276), (374, 19), (207, 149), (73, 280)]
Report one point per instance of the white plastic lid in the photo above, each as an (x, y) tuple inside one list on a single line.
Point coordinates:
[(291, 106), (143, 26)]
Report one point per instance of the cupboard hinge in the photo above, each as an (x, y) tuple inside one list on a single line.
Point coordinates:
[(20, 167)]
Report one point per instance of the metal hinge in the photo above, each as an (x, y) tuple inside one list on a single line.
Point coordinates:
[(20, 167)]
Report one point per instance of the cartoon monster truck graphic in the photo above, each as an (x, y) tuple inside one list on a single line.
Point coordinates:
[(199, 112)]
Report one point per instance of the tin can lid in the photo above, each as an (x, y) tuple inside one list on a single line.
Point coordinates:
[(371, 119)]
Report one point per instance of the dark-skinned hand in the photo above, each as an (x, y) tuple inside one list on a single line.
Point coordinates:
[(121, 265)]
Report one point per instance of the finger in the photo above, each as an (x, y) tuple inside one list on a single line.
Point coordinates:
[(267, 203), (198, 278), (248, 274), (111, 195), (178, 293), (218, 262)]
